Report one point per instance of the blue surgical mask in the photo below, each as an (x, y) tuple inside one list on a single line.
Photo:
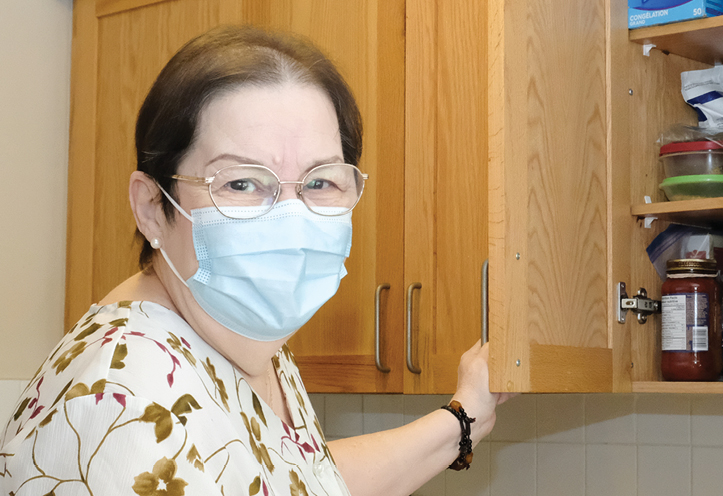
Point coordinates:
[(265, 277)]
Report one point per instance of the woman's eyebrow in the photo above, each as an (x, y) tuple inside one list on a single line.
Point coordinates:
[(335, 159), (331, 160), (236, 158)]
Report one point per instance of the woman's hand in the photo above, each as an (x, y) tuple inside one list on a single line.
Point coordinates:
[(370, 463), (473, 390)]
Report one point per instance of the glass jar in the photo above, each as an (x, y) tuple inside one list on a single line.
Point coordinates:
[(691, 334)]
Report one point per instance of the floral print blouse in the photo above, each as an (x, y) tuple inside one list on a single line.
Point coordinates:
[(133, 401)]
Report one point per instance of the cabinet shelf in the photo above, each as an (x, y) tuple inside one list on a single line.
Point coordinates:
[(706, 212), (678, 387), (699, 39)]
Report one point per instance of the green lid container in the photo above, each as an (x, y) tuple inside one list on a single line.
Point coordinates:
[(693, 187)]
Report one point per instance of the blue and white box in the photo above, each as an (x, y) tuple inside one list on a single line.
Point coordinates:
[(651, 12)]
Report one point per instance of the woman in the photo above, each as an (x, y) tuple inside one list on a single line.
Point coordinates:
[(179, 381)]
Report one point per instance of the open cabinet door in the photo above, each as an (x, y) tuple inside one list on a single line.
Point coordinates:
[(548, 207)]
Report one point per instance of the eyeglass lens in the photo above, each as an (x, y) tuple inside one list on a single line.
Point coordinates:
[(334, 185)]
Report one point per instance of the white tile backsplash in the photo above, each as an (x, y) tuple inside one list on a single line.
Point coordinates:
[(512, 468), (516, 420), (343, 415), (561, 418), (664, 470), (663, 419), (557, 444), (560, 469), (382, 412), (707, 420), (707, 476), (611, 470), (610, 419)]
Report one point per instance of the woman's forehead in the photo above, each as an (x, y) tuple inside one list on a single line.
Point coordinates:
[(275, 125)]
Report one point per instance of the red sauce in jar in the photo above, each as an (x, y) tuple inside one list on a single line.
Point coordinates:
[(691, 333)]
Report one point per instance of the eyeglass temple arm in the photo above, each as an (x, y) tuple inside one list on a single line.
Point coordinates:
[(193, 179)]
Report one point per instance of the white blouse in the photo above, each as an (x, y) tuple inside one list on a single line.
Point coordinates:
[(133, 401)]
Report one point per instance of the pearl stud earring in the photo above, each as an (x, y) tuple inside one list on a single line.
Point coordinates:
[(155, 243)]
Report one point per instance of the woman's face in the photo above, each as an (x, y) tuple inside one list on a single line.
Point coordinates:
[(289, 128)]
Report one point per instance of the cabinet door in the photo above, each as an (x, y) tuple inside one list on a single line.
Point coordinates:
[(445, 187), (120, 46), (365, 38), (548, 190)]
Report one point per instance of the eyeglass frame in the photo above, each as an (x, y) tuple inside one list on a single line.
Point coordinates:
[(209, 180)]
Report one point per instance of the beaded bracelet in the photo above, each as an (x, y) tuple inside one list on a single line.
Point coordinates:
[(465, 445)]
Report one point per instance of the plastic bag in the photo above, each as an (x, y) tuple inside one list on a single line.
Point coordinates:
[(679, 241), (703, 90), (681, 132)]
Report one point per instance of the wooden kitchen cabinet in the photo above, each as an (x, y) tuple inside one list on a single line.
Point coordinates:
[(575, 111), (445, 241), (519, 131), (119, 46), (418, 72)]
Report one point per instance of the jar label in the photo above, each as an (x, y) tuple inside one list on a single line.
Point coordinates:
[(685, 322)]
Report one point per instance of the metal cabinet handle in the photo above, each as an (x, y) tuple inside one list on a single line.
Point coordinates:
[(410, 293), (485, 301), (377, 325)]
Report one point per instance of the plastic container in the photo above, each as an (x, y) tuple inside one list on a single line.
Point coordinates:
[(691, 330), (693, 187), (692, 157)]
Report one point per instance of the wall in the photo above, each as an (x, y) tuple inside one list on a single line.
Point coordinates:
[(552, 445), (35, 41)]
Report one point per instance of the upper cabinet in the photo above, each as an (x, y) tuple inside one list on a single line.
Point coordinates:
[(576, 109), (118, 49), (418, 70), (523, 132)]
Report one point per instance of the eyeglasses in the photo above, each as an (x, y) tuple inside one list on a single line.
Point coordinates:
[(329, 189)]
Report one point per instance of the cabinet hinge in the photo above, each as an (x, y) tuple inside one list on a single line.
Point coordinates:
[(640, 304)]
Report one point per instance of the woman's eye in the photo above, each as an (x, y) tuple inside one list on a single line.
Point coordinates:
[(318, 184), (242, 185)]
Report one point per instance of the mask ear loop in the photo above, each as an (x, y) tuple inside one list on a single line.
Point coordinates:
[(163, 252), (173, 268), (175, 204)]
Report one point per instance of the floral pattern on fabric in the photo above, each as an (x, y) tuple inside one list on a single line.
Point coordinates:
[(133, 402)]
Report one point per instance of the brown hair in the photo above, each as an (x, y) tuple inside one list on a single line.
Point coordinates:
[(217, 61)]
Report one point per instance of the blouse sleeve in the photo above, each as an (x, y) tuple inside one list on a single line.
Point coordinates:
[(105, 444)]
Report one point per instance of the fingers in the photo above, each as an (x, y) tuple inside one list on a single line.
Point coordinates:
[(502, 397)]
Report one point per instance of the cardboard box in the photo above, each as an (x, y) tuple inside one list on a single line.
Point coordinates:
[(651, 12)]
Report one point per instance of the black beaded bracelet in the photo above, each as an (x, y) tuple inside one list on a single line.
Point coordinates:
[(465, 445)]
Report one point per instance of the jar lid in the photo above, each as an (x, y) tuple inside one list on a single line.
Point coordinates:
[(691, 266), (689, 146)]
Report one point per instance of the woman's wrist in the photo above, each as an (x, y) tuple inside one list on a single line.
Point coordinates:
[(477, 408), (464, 458)]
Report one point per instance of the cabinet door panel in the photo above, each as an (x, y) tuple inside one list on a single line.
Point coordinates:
[(336, 349), (446, 184), (548, 194), (120, 47), (116, 57)]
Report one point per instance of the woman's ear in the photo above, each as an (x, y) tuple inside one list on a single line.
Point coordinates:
[(147, 209)]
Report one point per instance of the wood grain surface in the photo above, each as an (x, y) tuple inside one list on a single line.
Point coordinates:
[(548, 182), (445, 185), (119, 48)]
